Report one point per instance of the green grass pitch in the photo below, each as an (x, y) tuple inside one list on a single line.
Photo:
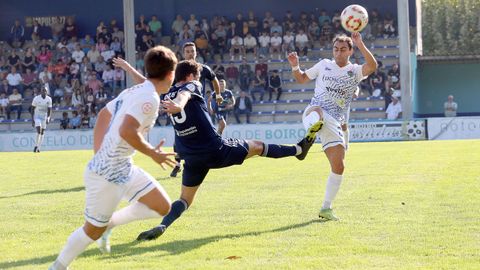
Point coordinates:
[(403, 205)]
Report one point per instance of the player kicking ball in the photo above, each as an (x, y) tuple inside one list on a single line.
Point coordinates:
[(336, 83), (110, 175), (42, 110), (198, 142)]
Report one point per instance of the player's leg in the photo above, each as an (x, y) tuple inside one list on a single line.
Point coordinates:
[(192, 178), (178, 166), (38, 128), (313, 122), (221, 124), (43, 126), (259, 148)]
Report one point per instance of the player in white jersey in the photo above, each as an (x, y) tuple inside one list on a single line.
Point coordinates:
[(336, 82), (111, 175), (42, 110)]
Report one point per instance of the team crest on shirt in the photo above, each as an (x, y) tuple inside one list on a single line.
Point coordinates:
[(191, 87), (147, 108), (350, 73)]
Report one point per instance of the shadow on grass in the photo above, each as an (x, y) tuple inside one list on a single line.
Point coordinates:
[(45, 191), (173, 248)]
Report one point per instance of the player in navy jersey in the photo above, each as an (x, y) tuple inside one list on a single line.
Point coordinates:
[(189, 51), (221, 110), (198, 143)]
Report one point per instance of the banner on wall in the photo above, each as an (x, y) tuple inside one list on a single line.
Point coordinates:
[(453, 128), (272, 133)]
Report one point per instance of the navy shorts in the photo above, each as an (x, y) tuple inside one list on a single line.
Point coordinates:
[(195, 168), (221, 115)]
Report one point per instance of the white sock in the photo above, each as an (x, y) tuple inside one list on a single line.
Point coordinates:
[(333, 185), (76, 244), (346, 137), (38, 140), (312, 118), (299, 150), (135, 211)]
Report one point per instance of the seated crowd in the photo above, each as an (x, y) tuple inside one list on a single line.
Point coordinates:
[(79, 75)]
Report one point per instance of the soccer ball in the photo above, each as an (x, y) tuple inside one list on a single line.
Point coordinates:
[(354, 18)]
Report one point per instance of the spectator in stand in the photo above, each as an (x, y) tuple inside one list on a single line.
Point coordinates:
[(60, 68), (394, 110), (156, 28), (303, 22), (4, 87), (99, 29), (219, 70), (243, 105), (288, 42), (236, 48), (101, 99), (70, 28), (205, 26), (276, 28), (65, 121), (202, 47), (450, 107), (192, 21), (45, 76), (36, 32), (394, 77), (259, 84), (116, 46), (245, 79), (177, 27), (100, 66), (262, 66), (239, 24), (231, 32), (3, 104), (276, 45), (105, 36), (85, 68), (389, 30), (44, 57), (63, 55), (101, 45), (326, 34), (252, 24), (108, 77), (15, 79), (77, 99), (185, 37), (108, 53), (57, 95), (57, 29), (29, 61), (76, 120), (323, 17), (275, 85), (93, 83), (78, 54), (89, 99), (93, 54), (44, 44), (93, 119), (377, 82), (113, 24), (29, 79), (250, 44), (14, 60), (119, 80), (336, 17), (268, 18), (140, 29), (117, 33), (68, 93), (219, 45), (86, 44), (313, 32), (264, 41), (232, 74), (15, 103), (375, 19), (337, 28), (17, 35), (301, 43)]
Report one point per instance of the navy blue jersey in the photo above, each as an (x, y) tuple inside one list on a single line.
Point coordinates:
[(194, 131), (227, 96), (206, 74)]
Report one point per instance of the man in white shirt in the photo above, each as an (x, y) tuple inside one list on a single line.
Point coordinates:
[(14, 79), (301, 43), (394, 109), (276, 44), (42, 110), (111, 175), (250, 43), (450, 107), (14, 103), (78, 54), (264, 41), (336, 81), (237, 47), (288, 42)]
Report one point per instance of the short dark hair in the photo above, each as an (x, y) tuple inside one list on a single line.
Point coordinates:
[(188, 44), (159, 61), (185, 68), (344, 38)]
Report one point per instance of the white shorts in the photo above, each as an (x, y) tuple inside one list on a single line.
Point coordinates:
[(40, 122), (331, 133), (103, 197)]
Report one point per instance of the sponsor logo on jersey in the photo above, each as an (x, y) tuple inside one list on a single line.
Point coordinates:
[(147, 108)]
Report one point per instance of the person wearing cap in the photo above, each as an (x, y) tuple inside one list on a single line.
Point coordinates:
[(394, 109), (450, 107)]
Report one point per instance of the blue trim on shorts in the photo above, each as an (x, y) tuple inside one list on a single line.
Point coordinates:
[(135, 195), (331, 142), (95, 218)]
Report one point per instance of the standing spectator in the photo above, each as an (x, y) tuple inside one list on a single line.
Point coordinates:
[(388, 27), (301, 43), (140, 29), (36, 31), (70, 28), (3, 104), (243, 105), (57, 29), (15, 103), (90, 100), (17, 33), (232, 74), (15, 79), (65, 121), (252, 23), (394, 110), (450, 107), (221, 110), (156, 28), (275, 85)]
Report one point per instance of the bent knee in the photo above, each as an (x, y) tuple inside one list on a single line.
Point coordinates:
[(255, 147), (163, 208)]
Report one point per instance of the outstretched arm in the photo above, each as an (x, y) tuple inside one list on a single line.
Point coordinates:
[(136, 76), (370, 63), (299, 75)]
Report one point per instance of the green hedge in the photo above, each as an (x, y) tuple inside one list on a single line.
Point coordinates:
[(451, 27)]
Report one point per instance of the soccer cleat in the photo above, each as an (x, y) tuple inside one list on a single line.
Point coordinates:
[(309, 139), (175, 171), (104, 242), (35, 149), (152, 234), (327, 214)]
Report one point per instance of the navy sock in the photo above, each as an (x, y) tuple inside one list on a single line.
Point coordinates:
[(278, 151), (178, 207)]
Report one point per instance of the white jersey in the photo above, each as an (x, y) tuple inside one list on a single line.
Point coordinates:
[(113, 161), (41, 106), (334, 86)]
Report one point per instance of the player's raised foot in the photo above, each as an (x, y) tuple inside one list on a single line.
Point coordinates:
[(152, 234), (175, 171), (104, 242), (327, 214), (309, 139)]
